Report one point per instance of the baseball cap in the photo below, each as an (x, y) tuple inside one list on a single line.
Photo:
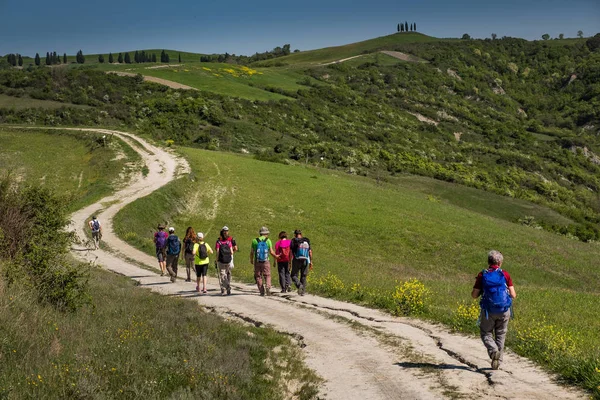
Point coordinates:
[(171, 229), (200, 235), (264, 230), (297, 232), (225, 228)]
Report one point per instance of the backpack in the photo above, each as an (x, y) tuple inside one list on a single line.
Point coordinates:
[(202, 252), (189, 246), (262, 250), (302, 248), (225, 253), (96, 225), (284, 254), (174, 246), (495, 298), (161, 240)]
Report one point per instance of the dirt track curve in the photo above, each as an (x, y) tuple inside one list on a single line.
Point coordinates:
[(361, 353), (165, 82)]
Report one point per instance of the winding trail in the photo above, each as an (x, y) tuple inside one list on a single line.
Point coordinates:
[(361, 353)]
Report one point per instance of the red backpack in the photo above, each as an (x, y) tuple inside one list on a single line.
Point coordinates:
[(284, 253)]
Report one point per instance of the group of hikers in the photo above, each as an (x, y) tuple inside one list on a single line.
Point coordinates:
[(294, 260), (293, 257)]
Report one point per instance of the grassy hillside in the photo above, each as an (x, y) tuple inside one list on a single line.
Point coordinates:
[(73, 164), (115, 345), (335, 53), (368, 237)]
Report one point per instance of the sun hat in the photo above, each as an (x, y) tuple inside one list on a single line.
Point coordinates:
[(200, 235), (171, 229), (94, 217), (264, 230), (225, 228)]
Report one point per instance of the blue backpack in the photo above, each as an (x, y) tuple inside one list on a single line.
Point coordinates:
[(495, 298), (302, 249), (262, 250), (173, 245)]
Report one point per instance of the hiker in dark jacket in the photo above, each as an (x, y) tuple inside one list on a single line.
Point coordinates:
[(301, 253), (497, 292), (173, 250)]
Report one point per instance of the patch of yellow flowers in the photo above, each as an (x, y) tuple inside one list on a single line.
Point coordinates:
[(410, 297)]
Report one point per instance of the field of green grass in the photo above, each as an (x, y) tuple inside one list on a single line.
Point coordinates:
[(21, 103), (377, 235), (127, 342), (71, 163)]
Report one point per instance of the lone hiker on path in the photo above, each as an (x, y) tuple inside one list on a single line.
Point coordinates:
[(188, 255), (497, 291), (225, 247), (282, 249), (96, 229), (259, 258), (173, 250), (301, 260), (160, 241), (201, 252)]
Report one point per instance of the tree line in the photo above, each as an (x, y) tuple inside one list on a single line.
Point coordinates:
[(404, 27), (233, 59)]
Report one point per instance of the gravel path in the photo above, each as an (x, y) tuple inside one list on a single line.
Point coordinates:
[(361, 353)]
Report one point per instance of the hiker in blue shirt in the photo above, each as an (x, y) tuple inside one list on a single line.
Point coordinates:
[(259, 258), (497, 292)]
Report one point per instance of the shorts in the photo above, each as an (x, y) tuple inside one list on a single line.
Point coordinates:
[(201, 270), (161, 254)]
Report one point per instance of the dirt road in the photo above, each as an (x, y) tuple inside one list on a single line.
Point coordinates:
[(165, 82), (361, 353)]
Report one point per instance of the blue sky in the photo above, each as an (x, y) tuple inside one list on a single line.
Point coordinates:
[(245, 27)]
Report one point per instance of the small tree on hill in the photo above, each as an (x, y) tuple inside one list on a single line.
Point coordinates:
[(580, 34), (561, 36), (64, 58), (55, 58), (37, 59), (415, 26), (466, 36), (127, 58), (110, 58), (398, 27), (406, 26), (120, 58), (20, 61), (179, 58), (167, 60), (101, 59), (545, 36), (136, 57), (47, 58), (80, 58), (494, 36), (153, 57), (593, 43)]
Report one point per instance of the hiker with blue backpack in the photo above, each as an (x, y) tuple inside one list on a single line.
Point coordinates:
[(160, 241), (301, 260), (173, 250), (262, 248), (497, 292), (96, 229)]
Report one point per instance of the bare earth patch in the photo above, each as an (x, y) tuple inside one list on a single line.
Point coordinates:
[(165, 82)]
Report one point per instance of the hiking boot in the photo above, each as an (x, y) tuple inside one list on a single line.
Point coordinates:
[(287, 289), (301, 290), (188, 280), (228, 291), (495, 360), (222, 292), (268, 292)]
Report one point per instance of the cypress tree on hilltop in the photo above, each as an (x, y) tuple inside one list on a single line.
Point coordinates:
[(398, 27), (406, 26), (37, 59), (101, 59), (153, 57), (127, 58), (64, 58), (163, 57), (55, 58), (47, 58), (415, 26), (167, 59), (110, 58), (20, 61), (136, 57), (80, 58), (179, 58), (401, 27), (120, 58)]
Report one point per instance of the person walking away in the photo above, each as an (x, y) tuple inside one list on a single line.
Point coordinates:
[(188, 243), (497, 292), (225, 249), (301, 260), (282, 250), (201, 252), (96, 229), (259, 258), (224, 234), (173, 250), (160, 241)]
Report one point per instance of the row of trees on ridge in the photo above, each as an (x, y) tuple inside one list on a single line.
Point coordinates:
[(403, 27)]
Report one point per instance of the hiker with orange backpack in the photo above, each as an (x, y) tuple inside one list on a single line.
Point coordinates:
[(497, 292), (259, 258), (282, 250)]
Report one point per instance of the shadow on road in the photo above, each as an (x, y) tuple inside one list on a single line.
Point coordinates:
[(432, 366)]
